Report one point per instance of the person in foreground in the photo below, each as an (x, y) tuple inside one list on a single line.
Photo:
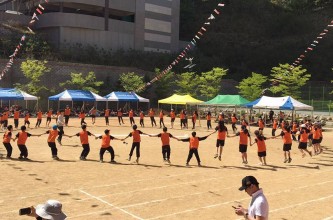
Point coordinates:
[(52, 209), (258, 207)]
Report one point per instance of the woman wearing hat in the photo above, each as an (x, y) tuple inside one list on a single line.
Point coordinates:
[(52, 210)]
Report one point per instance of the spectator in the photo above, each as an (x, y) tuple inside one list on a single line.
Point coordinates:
[(52, 209)]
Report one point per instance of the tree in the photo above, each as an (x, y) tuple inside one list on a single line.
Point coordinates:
[(187, 83), (164, 86), (210, 82), (287, 81), (251, 88), (78, 81), (131, 81), (33, 70)]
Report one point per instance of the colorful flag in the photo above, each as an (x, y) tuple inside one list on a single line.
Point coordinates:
[(211, 17), (208, 23), (34, 16), (220, 5), (216, 12), (39, 11), (41, 7)]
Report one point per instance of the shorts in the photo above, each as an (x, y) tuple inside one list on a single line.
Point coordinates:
[(93, 116), (316, 141), (286, 147), (242, 148), (172, 119), (219, 143), (302, 145), (320, 139), (262, 154), (48, 119)]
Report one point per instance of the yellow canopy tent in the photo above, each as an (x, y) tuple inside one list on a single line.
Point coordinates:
[(179, 100)]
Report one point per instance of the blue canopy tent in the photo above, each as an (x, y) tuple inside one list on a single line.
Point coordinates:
[(76, 95), (125, 97), (15, 94)]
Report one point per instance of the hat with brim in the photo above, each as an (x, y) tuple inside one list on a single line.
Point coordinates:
[(248, 181), (51, 210)]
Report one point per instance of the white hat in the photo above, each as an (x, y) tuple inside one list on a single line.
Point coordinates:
[(303, 126), (51, 210)]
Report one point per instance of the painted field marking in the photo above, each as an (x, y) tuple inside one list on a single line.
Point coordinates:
[(111, 205)]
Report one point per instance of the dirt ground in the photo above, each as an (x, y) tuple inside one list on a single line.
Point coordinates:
[(153, 189)]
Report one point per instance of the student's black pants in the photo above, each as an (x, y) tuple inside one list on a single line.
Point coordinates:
[(16, 122), (137, 146), (166, 151), (85, 151), (102, 151), (53, 147), (24, 150), (106, 120), (9, 149), (66, 119), (190, 154), (152, 119), (61, 132)]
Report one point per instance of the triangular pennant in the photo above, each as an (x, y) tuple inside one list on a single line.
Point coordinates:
[(34, 16), (211, 17)]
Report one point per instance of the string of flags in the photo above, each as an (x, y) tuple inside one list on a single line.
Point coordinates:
[(38, 11), (201, 32), (312, 46)]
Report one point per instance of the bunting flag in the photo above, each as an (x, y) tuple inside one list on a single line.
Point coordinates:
[(30, 26), (313, 45), (184, 52)]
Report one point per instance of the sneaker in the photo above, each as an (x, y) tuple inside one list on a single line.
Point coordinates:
[(129, 159), (289, 160), (246, 162), (137, 160), (168, 161), (113, 161), (216, 155), (199, 165), (285, 161), (220, 158), (101, 161), (187, 164), (55, 158), (8, 157)]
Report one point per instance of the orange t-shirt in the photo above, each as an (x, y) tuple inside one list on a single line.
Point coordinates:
[(84, 136), (82, 115), (209, 117), (52, 135), (106, 139), (26, 117), (194, 117), (172, 115), (233, 119), (182, 115), (142, 115), (49, 114), (294, 127), (107, 113), (304, 136), (131, 114), (136, 135), (39, 115), (261, 124), (22, 137), (119, 113), (67, 111), (5, 116), (16, 114), (7, 136), (161, 114), (165, 138), (275, 124), (243, 137), (93, 112), (194, 142), (261, 145), (287, 137), (151, 113), (316, 133)]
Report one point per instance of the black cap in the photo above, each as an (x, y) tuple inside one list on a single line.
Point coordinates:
[(106, 131), (135, 127), (247, 181)]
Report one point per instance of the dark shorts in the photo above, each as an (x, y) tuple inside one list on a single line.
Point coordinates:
[(302, 145), (48, 119), (242, 148), (172, 119), (316, 141), (93, 116), (286, 147), (262, 154), (320, 139), (219, 143)]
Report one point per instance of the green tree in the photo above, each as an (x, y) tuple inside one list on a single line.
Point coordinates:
[(164, 86), (33, 70), (210, 82), (131, 81), (251, 88), (187, 83), (287, 81), (79, 81)]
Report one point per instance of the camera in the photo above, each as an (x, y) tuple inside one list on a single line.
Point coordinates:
[(25, 211)]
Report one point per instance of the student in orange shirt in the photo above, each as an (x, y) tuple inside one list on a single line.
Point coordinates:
[(194, 119), (136, 142), (5, 118), (6, 141), (82, 116), (53, 134), (244, 135), (131, 117), (142, 116), (260, 140), (173, 117), (209, 120), (120, 116), (106, 116), (22, 137), (234, 120), (48, 117), (274, 126), (316, 131), (221, 117), (93, 112), (84, 141), (193, 147), (67, 114), (152, 118), (39, 118), (16, 117), (294, 130), (105, 145), (165, 138), (161, 119), (26, 119), (287, 142), (182, 117), (222, 132), (261, 125), (303, 140)]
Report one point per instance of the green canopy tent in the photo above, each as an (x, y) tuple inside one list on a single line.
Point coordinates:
[(227, 100)]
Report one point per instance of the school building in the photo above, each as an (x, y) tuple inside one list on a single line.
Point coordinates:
[(144, 25)]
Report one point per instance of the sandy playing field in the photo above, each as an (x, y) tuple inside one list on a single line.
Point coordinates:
[(156, 190)]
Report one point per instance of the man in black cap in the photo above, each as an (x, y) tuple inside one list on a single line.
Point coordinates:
[(258, 207)]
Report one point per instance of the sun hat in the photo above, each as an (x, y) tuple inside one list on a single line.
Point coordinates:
[(247, 181), (54, 127), (51, 210)]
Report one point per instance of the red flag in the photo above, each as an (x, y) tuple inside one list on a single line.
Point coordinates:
[(309, 48), (39, 11), (216, 12)]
